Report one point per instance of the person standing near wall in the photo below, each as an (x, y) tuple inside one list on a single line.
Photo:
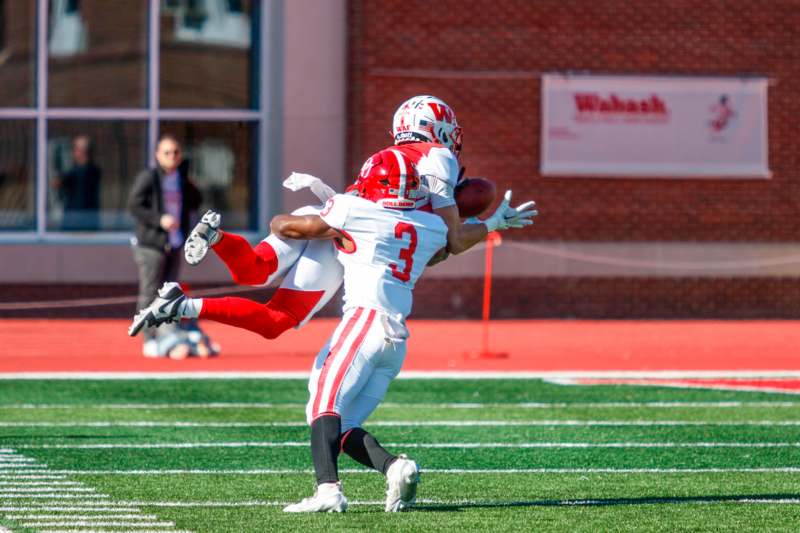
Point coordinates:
[(162, 201)]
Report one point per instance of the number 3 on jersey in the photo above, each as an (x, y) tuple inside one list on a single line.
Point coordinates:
[(407, 253)]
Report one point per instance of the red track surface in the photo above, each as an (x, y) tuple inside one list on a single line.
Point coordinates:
[(102, 345)]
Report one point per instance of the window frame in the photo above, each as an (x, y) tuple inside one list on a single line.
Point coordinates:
[(266, 115)]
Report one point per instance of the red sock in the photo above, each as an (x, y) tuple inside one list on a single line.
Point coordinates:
[(248, 265)]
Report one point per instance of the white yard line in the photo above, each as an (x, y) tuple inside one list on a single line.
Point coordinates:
[(51, 495), (84, 530), (393, 405), (435, 445), (477, 502), (401, 423), (78, 523), (417, 374), (104, 516), (111, 508), (38, 483), (289, 471)]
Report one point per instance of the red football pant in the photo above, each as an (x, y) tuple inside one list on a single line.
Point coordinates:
[(285, 310), (247, 265)]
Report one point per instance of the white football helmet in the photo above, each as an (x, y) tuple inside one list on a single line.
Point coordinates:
[(427, 119)]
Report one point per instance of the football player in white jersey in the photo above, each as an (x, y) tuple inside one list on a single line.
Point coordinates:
[(384, 244), (424, 129)]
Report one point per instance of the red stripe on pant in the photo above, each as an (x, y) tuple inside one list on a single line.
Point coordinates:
[(247, 265), (337, 384), (330, 357), (285, 310)]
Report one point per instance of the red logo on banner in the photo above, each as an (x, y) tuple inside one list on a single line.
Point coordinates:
[(595, 103), (723, 113)]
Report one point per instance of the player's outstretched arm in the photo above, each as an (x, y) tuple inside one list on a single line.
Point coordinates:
[(460, 237)]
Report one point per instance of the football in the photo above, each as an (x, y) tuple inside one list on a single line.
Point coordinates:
[(474, 196)]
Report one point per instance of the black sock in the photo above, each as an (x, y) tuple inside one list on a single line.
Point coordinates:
[(363, 447), (325, 432)]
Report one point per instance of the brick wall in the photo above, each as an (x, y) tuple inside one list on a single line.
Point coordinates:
[(504, 45), (485, 59)]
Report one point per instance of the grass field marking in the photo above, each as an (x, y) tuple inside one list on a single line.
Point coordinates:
[(38, 483), (53, 496), (84, 530), (104, 516), (479, 502), (403, 423), (32, 476), (434, 445), (459, 471), (66, 508), (392, 405), (20, 490), (81, 523), (415, 374)]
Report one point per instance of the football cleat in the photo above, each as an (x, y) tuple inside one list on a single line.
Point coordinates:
[(327, 499), (163, 309), (203, 236), (402, 479)]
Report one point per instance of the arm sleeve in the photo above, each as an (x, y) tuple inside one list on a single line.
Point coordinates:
[(336, 211), (441, 171)]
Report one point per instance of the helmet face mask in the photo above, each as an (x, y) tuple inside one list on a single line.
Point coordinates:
[(389, 178), (427, 119)]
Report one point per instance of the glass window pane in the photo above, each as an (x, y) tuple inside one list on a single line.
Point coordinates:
[(222, 165), (91, 167), (17, 175), (17, 53), (212, 41), (97, 53)]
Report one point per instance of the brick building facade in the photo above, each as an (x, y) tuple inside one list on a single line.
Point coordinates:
[(487, 61)]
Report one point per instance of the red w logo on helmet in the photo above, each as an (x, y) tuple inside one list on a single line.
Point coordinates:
[(442, 112)]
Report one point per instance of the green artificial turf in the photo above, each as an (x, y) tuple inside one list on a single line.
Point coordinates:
[(686, 479)]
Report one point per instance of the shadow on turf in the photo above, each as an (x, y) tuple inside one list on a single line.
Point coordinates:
[(604, 502)]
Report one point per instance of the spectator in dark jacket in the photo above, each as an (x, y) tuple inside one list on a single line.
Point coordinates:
[(162, 202), (80, 188)]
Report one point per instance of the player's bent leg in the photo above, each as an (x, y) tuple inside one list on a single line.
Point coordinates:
[(260, 264), (266, 320), (317, 271)]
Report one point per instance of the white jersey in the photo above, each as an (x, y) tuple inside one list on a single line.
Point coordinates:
[(392, 248), (438, 168)]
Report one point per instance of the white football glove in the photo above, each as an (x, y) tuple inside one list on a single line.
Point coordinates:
[(506, 216), (297, 181)]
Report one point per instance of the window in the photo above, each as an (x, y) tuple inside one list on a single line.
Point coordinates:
[(208, 42), (17, 178), (17, 53), (91, 167), (221, 163), (97, 56), (68, 160)]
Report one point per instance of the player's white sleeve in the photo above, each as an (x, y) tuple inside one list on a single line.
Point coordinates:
[(440, 168), (336, 210)]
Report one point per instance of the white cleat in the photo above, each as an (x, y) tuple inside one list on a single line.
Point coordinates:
[(402, 479), (327, 499), (163, 309), (203, 236)]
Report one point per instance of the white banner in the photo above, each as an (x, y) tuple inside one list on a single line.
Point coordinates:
[(654, 126)]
